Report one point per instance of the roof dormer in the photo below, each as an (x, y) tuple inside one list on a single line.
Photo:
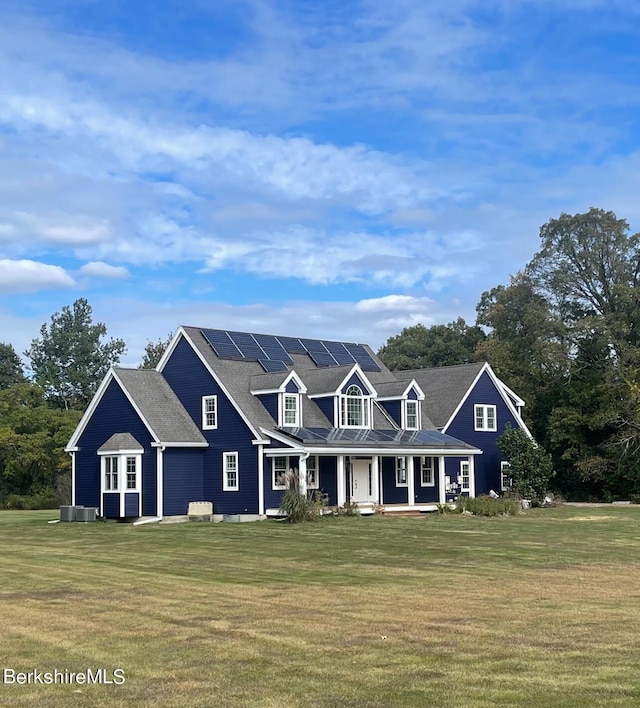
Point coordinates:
[(402, 400), (281, 394)]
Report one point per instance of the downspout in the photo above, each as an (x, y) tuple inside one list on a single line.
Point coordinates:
[(160, 480)]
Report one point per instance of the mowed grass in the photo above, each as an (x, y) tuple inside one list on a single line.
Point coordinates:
[(538, 610)]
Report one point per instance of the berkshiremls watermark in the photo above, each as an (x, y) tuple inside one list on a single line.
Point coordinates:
[(89, 677)]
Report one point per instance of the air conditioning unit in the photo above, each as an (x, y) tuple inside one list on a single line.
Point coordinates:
[(86, 513), (67, 513)]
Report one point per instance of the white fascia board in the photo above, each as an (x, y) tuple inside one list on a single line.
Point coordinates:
[(282, 451), (179, 444), (510, 392), (261, 442), (414, 384), (169, 350), (109, 453), (265, 391), (391, 452), (72, 445), (499, 387), (297, 380), (355, 369), (282, 439), (135, 407), (216, 378)]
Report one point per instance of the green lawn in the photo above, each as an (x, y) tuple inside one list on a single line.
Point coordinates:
[(538, 610)]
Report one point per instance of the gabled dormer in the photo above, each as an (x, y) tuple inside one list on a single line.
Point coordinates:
[(281, 394), (402, 400), (344, 394)]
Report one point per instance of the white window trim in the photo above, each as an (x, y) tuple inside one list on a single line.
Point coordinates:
[(433, 472), (366, 408), (283, 400), (226, 487), (463, 464), (505, 477), (406, 471), (204, 412), (405, 410), (482, 410), (121, 456), (274, 485), (316, 467)]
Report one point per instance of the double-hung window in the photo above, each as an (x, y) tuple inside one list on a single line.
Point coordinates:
[(411, 415), (354, 408), (111, 474), (291, 409), (312, 472), (279, 467), (132, 472), (209, 412), (401, 472), (464, 479), (505, 476), (427, 478), (485, 418), (230, 480)]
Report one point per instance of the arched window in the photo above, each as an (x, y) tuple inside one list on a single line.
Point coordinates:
[(354, 411)]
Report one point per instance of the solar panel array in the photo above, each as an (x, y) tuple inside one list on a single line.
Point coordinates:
[(421, 438), (273, 352)]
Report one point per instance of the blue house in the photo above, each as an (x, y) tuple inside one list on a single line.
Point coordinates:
[(230, 417)]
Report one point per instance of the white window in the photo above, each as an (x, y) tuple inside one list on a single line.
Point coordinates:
[(209, 412), (312, 472), (464, 479), (427, 478), (401, 472), (411, 415), (291, 409), (280, 468), (485, 417), (354, 408), (132, 472), (111, 474), (505, 476), (230, 482)]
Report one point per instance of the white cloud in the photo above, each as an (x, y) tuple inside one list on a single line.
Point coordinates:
[(54, 229), (398, 303), (98, 269), (24, 276)]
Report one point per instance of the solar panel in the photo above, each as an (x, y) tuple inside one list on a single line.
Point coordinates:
[(362, 356), (272, 365), (247, 345), (292, 345), (222, 344), (322, 359), (272, 347), (313, 345), (339, 353)]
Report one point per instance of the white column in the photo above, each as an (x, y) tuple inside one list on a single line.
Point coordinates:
[(342, 487), (302, 475), (260, 480), (411, 492), (441, 473), (472, 477), (159, 482), (73, 478), (375, 478)]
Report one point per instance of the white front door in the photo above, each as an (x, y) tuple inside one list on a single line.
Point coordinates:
[(361, 481)]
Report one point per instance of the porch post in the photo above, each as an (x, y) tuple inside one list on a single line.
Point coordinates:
[(411, 491), (375, 479), (342, 486), (472, 476), (441, 472), (302, 475)]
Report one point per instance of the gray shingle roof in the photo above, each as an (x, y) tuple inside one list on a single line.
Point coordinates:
[(160, 406), (443, 387), (121, 441)]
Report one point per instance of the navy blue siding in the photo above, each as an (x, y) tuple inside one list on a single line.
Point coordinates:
[(425, 494), (272, 497), (328, 479), (393, 408), (270, 402), (131, 504), (325, 404), (111, 505), (412, 395), (487, 465), (190, 380), (355, 380), (183, 480), (292, 387), (390, 493), (114, 414)]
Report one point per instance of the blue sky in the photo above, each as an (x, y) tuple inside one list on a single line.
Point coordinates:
[(338, 169)]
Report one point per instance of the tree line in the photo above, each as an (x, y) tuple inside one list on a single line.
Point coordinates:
[(564, 333)]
